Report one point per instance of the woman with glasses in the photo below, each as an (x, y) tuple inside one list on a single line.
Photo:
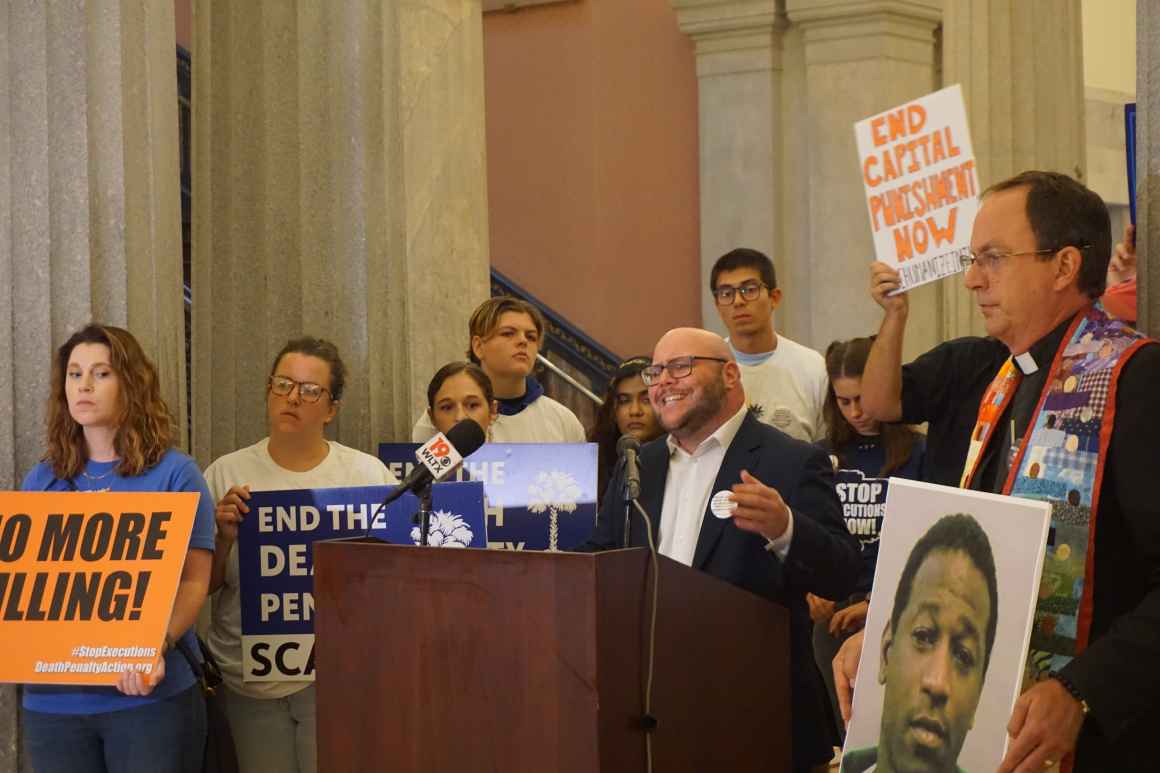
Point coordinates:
[(505, 337), (273, 722), (626, 410), (865, 452), (109, 430)]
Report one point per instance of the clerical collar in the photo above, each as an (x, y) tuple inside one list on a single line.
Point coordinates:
[(1042, 352), (1026, 363)]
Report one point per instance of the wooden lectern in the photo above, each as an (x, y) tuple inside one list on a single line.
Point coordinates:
[(433, 660)]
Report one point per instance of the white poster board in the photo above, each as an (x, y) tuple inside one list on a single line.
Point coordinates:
[(922, 189), (928, 691)]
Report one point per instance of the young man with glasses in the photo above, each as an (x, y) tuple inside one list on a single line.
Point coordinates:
[(1058, 403), (785, 381), (786, 535)]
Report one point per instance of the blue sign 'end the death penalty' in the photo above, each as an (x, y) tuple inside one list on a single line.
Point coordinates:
[(539, 496), (276, 568)]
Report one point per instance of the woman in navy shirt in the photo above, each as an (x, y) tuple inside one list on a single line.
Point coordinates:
[(109, 430), (865, 453)]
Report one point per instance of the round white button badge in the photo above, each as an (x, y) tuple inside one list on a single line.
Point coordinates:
[(722, 504)]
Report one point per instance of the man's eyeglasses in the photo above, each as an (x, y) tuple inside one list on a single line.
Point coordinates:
[(308, 392), (989, 260), (678, 367), (748, 292)]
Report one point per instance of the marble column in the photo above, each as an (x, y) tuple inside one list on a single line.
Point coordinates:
[(1148, 166), (1020, 63), (89, 208), (738, 54), (852, 60), (339, 191)]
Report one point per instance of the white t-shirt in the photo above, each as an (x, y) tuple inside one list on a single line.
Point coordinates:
[(543, 421), (253, 466), (790, 390)]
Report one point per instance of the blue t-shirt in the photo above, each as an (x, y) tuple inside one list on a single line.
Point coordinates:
[(175, 472)]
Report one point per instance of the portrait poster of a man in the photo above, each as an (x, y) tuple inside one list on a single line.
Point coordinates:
[(947, 634)]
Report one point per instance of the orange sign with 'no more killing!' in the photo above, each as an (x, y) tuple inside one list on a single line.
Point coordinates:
[(88, 581)]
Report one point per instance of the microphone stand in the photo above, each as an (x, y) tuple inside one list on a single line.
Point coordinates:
[(630, 493), (627, 521), (423, 517)]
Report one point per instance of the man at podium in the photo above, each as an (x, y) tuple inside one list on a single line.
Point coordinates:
[(742, 501)]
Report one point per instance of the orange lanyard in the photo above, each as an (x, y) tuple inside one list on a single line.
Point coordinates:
[(995, 401)]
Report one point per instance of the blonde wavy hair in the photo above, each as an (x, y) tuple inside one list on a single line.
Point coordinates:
[(145, 427)]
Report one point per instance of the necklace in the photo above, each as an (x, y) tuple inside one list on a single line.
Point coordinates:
[(102, 476)]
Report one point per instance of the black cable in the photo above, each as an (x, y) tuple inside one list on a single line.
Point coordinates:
[(648, 721)]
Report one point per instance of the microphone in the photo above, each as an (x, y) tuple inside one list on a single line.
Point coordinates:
[(439, 456), (627, 449)]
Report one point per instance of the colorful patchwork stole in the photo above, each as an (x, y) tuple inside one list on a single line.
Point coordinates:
[(1061, 461)]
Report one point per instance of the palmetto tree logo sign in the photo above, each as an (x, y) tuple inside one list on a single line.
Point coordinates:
[(445, 530), (555, 492)]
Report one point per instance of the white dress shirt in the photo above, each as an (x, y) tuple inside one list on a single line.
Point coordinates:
[(687, 490)]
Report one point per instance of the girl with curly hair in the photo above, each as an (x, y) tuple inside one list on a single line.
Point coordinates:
[(109, 430)]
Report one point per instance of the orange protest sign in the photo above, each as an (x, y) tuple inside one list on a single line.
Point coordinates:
[(87, 582)]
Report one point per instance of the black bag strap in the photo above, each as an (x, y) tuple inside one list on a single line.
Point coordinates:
[(206, 671)]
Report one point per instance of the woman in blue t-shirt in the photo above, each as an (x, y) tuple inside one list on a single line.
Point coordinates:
[(865, 453), (109, 430)]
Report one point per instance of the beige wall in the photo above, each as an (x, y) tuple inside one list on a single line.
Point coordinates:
[(1109, 59), (1109, 44), (592, 164)]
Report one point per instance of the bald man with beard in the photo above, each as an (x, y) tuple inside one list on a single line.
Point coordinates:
[(786, 536)]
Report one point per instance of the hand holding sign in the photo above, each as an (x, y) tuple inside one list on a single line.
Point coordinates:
[(136, 683), (1044, 727), (885, 280), (229, 513), (845, 667)]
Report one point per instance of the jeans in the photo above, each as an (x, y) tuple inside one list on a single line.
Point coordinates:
[(167, 736), (273, 735)]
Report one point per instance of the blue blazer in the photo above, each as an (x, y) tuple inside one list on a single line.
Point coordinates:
[(823, 557)]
